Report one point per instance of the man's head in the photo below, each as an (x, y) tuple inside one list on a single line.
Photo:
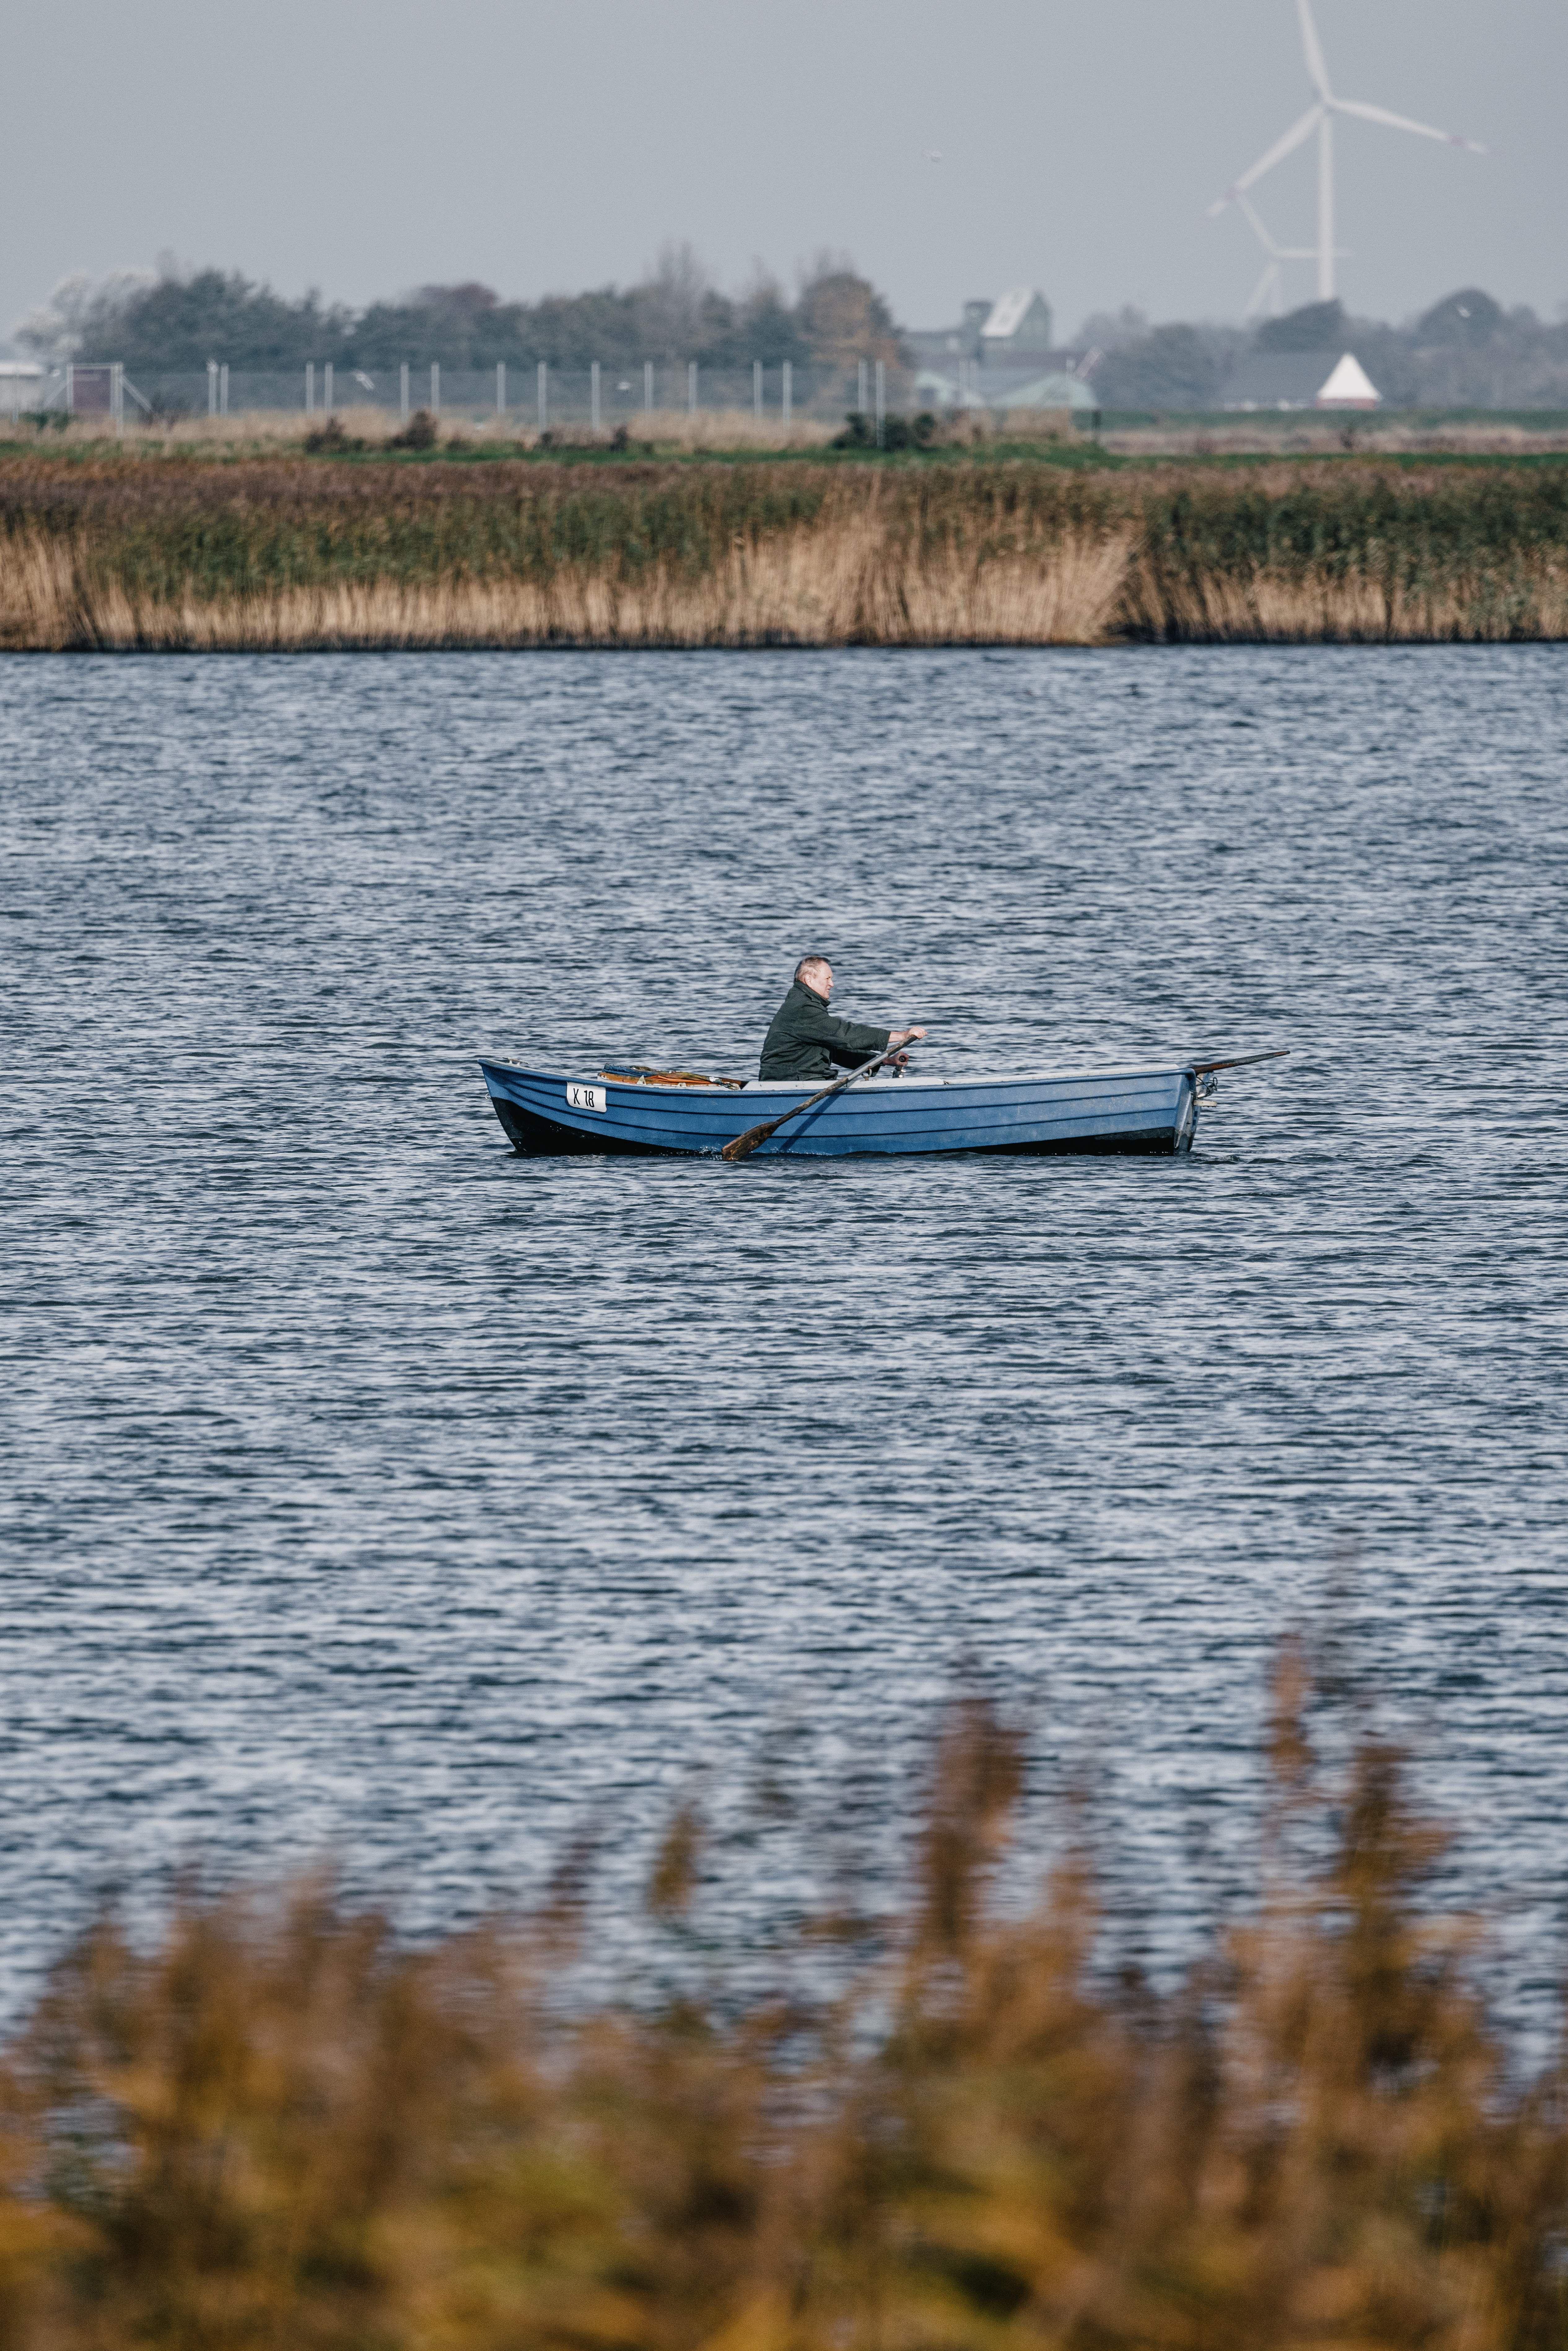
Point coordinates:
[(816, 974)]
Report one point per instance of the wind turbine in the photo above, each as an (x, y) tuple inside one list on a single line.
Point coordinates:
[(1319, 117), (1268, 286)]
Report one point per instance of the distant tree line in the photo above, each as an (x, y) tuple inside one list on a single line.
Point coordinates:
[(1467, 351), (179, 321)]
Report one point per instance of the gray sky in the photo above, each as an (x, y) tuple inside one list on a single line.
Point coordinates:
[(367, 148)]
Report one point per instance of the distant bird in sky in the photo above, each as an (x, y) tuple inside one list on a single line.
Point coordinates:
[(934, 154)]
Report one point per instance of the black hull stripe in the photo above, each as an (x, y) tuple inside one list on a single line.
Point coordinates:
[(537, 1137)]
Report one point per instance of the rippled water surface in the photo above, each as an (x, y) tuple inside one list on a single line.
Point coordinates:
[(367, 1487)]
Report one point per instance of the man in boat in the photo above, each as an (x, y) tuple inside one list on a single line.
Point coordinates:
[(805, 1040)]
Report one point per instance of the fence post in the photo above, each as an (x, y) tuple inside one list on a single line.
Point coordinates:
[(500, 387), (881, 400), (403, 392), (310, 387), (224, 389), (647, 386), (212, 387), (327, 387), (435, 387), (593, 396), (862, 401), (788, 389), (117, 398), (691, 387), (756, 389)]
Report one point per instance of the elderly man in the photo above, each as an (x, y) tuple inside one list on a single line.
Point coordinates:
[(804, 1038)]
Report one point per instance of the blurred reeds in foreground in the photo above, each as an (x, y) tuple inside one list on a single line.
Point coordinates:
[(285, 552), (279, 2126)]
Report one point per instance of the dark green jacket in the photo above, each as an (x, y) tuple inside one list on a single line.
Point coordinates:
[(805, 1038)]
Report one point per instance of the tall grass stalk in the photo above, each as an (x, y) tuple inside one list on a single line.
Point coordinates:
[(279, 2126), (283, 552)]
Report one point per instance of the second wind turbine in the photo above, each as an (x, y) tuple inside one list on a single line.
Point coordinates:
[(1319, 117)]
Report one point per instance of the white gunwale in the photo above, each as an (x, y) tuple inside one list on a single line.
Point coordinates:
[(902, 1086)]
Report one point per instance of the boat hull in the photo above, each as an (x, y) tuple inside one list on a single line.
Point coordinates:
[(1141, 1113)]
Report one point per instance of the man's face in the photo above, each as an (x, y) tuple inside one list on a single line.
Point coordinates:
[(820, 977)]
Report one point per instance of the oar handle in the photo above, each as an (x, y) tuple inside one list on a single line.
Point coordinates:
[(743, 1146)]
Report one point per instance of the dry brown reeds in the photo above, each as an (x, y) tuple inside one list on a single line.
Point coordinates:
[(821, 588), (280, 2126), (289, 553)]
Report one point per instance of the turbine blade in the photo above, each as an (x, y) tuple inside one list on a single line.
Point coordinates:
[(1255, 225), (1264, 288), (1403, 122), (1277, 153), (1313, 49)]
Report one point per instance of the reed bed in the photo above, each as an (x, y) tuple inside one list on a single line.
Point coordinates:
[(278, 2125), (290, 553), (1268, 434), (273, 431), (1304, 433)]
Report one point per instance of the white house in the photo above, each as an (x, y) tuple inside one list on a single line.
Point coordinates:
[(1020, 322)]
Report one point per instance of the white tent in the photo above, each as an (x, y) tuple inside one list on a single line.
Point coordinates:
[(1349, 386)]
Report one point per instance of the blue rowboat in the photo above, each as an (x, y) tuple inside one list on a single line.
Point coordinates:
[(1151, 1111)]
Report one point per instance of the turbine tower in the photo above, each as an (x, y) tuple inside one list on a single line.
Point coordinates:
[(1319, 117)]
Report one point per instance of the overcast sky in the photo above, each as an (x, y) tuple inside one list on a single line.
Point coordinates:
[(365, 148)]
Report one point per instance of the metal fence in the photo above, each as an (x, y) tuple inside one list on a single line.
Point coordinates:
[(535, 398)]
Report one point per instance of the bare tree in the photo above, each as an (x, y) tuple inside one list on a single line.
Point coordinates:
[(672, 302), (78, 309)]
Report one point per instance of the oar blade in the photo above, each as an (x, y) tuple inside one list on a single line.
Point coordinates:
[(745, 1145)]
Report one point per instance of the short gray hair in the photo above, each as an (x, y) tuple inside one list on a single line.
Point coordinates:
[(811, 963)]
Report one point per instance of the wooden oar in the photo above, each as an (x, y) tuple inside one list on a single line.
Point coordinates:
[(745, 1145), (1241, 1061)]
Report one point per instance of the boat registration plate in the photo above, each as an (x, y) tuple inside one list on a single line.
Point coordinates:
[(585, 1097)]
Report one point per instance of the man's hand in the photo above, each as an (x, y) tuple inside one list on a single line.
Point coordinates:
[(905, 1036)]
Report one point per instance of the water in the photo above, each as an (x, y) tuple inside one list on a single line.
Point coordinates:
[(370, 1488)]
